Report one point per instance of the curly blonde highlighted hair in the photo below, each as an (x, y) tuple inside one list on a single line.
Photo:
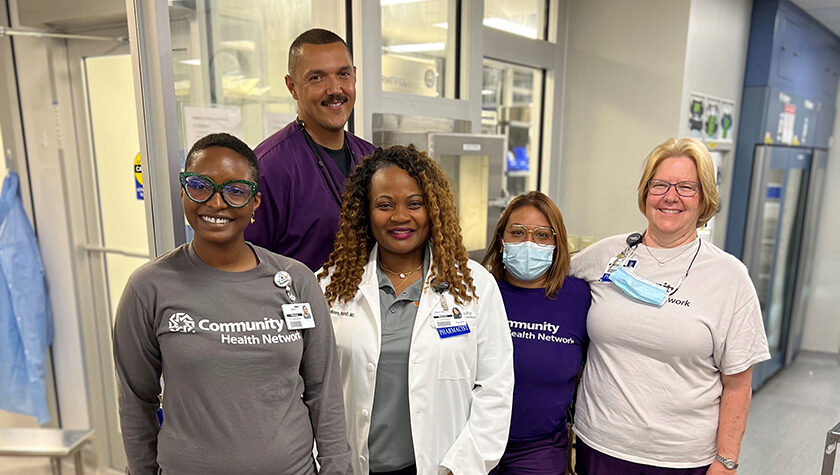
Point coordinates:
[(354, 240)]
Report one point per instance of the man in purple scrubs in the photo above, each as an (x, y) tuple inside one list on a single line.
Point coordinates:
[(304, 165)]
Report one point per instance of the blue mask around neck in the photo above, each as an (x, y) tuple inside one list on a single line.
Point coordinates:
[(527, 260), (638, 288)]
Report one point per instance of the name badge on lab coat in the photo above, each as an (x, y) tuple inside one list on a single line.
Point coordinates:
[(450, 323)]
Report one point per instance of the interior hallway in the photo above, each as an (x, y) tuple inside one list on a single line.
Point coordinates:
[(790, 416)]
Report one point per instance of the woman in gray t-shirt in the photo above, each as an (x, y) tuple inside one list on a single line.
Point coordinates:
[(242, 337)]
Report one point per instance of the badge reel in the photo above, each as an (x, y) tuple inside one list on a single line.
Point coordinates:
[(298, 316), (448, 322)]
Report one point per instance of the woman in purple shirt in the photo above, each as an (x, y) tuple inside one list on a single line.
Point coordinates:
[(546, 311)]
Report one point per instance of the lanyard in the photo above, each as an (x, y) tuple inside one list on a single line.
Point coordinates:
[(325, 172), (633, 242)]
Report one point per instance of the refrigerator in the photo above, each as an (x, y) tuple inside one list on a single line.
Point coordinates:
[(782, 213)]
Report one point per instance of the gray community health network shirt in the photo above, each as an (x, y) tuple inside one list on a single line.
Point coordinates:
[(244, 394)]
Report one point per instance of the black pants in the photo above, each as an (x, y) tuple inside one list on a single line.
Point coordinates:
[(410, 470)]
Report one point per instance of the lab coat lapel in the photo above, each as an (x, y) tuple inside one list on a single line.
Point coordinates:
[(429, 300), (370, 292)]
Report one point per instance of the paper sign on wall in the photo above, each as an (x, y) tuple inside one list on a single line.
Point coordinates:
[(200, 121), (786, 121)]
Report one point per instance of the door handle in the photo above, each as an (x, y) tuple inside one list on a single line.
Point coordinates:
[(111, 250)]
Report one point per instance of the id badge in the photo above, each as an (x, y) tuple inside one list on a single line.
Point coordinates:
[(614, 264), (298, 316), (450, 323)]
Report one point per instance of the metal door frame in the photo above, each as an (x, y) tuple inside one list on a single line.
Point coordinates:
[(90, 264)]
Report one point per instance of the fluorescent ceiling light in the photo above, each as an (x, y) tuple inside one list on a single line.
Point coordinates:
[(386, 3), (487, 92), (415, 47), (510, 27), (191, 62), (443, 25)]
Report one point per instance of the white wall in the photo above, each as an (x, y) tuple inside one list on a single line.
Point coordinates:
[(630, 72), (822, 325), (716, 57), (623, 96)]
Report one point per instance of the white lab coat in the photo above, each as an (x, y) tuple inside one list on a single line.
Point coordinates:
[(460, 388)]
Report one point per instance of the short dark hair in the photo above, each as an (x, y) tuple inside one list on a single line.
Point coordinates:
[(315, 36), (227, 141)]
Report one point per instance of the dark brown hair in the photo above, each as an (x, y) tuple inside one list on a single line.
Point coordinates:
[(556, 274)]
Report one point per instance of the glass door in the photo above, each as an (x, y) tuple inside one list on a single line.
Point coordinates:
[(802, 293), (121, 243), (511, 105), (114, 238), (772, 242)]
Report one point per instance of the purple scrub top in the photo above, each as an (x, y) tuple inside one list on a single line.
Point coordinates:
[(299, 213)]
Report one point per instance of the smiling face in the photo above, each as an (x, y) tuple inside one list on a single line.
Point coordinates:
[(324, 87), (673, 218), (398, 218), (214, 221)]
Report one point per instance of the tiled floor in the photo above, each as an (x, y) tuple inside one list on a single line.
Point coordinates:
[(790, 416), (785, 432)]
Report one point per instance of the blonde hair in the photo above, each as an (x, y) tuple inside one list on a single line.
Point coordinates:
[(556, 274), (699, 154), (354, 241)]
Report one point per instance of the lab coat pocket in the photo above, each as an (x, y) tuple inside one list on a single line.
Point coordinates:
[(456, 357)]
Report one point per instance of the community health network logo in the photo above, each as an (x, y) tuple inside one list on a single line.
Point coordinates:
[(181, 322)]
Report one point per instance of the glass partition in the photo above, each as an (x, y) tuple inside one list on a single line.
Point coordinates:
[(418, 47), (230, 62), (523, 18), (511, 105)]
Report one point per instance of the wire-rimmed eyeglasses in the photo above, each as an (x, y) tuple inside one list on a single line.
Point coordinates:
[(686, 189), (520, 232)]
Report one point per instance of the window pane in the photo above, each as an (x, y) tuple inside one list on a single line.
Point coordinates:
[(511, 101), (523, 17), (418, 47), (231, 59)]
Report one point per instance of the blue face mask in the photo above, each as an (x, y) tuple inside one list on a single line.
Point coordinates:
[(638, 288), (527, 260)]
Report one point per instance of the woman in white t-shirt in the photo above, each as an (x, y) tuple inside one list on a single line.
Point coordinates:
[(675, 328)]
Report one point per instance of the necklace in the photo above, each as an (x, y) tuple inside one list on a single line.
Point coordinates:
[(662, 262), (404, 281), (402, 275)]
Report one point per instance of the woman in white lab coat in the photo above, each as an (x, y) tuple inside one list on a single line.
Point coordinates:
[(424, 345)]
